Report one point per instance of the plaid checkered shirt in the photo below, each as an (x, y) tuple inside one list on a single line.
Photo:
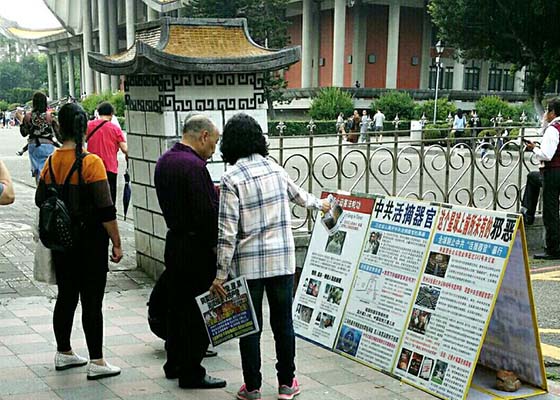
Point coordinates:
[(254, 220)]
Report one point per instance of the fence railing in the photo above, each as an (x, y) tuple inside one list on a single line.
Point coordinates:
[(487, 173)]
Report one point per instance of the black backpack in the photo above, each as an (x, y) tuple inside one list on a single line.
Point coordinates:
[(58, 229)]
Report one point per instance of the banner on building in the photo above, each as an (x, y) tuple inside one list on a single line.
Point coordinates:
[(438, 296)]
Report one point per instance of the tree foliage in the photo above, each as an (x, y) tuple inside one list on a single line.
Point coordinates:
[(521, 32), (18, 80), (489, 107), (329, 103), (444, 108), (267, 27)]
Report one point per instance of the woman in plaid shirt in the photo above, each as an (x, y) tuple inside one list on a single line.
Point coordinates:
[(255, 240)]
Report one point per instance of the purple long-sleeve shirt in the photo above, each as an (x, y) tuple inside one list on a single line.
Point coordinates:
[(186, 194)]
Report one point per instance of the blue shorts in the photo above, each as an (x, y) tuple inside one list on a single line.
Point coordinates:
[(38, 156)]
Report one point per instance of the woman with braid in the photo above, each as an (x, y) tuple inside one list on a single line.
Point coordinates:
[(81, 273)]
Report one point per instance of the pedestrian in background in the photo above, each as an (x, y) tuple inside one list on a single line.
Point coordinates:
[(364, 125), (548, 153), (189, 203), (378, 121), (40, 128), (7, 193), (106, 139), (81, 272), (255, 241)]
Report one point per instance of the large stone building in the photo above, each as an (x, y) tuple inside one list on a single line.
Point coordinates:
[(382, 44)]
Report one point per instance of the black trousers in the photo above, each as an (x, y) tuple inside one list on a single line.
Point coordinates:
[(192, 268), (551, 191), (532, 190), (81, 275), (112, 178)]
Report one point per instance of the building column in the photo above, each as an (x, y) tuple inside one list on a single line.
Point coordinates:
[(458, 75), (393, 46), (316, 43), (306, 44), (518, 85), (484, 72), (50, 76), (426, 60), (87, 46), (96, 74), (103, 18), (339, 37), (81, 64), (58, 66), (70, 62), (152, 14), (182, 12), (113, 42), (130, 22), (359, 44)]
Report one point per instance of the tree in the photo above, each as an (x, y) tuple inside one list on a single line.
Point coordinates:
[(329, 103), (520, 32), (18, 80), (267, 27), (394, 102)]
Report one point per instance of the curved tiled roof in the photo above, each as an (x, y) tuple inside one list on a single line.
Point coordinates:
[(30, 34), (177, 45)]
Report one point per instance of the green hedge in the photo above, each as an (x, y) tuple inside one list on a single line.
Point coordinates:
[(91, 102), (122, 121)]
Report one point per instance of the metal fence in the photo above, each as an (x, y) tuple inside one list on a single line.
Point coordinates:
[(487, 173)]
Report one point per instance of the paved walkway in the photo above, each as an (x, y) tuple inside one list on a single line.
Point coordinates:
[(27, 341)]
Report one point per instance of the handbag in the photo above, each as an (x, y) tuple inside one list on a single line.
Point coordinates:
[(43, 265)]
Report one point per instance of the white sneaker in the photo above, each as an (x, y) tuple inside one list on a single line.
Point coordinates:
[(64, 361), (95, 371)]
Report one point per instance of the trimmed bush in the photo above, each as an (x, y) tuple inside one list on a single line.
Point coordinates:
[(393, 103), (437, 131), (444, 107), (329, 103), (487, 133), (122, 121), (489, 106), (91, 102)]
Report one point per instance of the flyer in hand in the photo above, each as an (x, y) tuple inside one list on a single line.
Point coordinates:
[(231, 318)]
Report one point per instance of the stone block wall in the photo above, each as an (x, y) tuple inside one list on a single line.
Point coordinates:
[(157, 106)]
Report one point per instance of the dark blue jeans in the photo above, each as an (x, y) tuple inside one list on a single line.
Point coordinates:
[(279, 291)]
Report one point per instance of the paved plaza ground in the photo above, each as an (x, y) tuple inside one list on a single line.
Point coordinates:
[(27, 342)]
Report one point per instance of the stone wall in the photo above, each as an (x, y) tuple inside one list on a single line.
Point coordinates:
[(157, 106)]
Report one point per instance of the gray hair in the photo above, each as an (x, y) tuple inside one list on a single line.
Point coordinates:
[(196, 124)]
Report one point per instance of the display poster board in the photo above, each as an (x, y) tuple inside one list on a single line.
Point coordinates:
[(439, 297), (229, 318), (329, 267)]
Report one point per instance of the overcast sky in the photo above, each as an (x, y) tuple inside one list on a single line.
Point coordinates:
[(32, 14)]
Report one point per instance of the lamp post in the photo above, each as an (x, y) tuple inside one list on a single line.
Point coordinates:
[(439, 51)]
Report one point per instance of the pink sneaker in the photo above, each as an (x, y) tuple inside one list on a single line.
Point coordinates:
[(244, 394), (288, 392)]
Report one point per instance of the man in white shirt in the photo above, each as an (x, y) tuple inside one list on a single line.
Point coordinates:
[(378, 120), (548, 153)]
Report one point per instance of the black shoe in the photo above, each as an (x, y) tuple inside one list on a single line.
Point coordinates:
[(547, 256), (208, 382), (171, 372), (210, 353), (528, 219)]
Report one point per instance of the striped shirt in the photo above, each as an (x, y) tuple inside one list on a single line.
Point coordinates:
[(254, 220)]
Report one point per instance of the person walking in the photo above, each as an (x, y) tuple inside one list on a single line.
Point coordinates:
[(378, 121), (364, 125), (189, 202), (39, 127), (459, 124), (81, 273), (7, 193), (548, 153), (106, 139), (255, 240)]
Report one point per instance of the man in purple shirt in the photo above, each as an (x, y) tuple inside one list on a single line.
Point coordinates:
[(189, 203)]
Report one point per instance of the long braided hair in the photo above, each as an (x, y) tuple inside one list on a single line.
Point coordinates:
[(73, 125)]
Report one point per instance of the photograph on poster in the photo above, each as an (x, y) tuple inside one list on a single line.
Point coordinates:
[(313, 287), (426, 368), (437, 264), (439, 372), (325, 321), (404, 359), (415, 363), (419, 321), (349, 340), (373, 243), (335, 242), (428, 296), (333, 294), (332, 219), (304, 313)]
